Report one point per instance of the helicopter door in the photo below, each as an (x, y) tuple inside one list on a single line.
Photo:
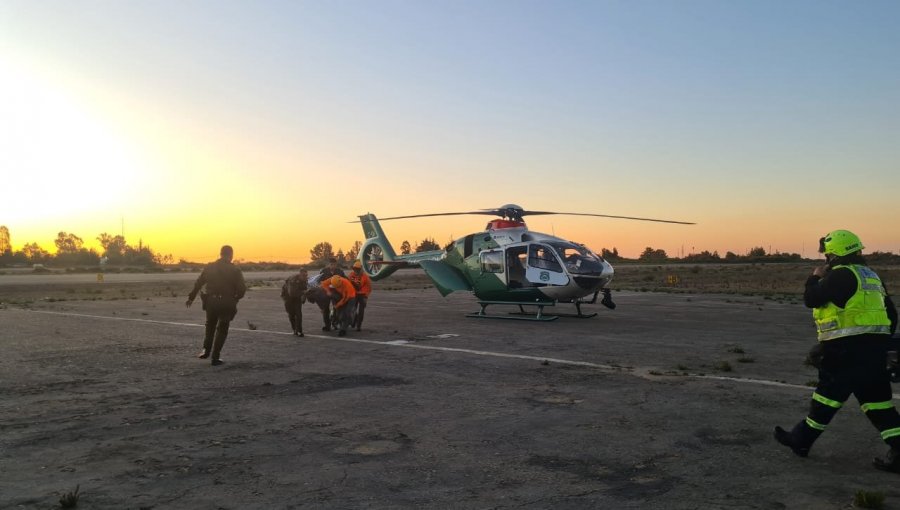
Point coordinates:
[(543, 266), (515, 267), (491, 262)]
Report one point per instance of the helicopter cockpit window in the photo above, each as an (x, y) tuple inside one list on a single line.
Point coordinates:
[(542, 257), (492, 261), (578, 259)]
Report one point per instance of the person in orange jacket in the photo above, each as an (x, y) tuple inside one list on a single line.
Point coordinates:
[(344, 297), (363, 286)]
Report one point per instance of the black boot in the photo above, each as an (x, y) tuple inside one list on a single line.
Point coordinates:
[(798, 440), (890, 462)]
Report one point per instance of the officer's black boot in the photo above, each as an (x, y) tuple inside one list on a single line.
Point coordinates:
[(208, 339), (799, 439), (890, 462), (221, 334)]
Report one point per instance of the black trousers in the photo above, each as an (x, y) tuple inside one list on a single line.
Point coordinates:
[(345, 314), (220, 312), (853, 366), (294, 309), (325, 308), (361, 302)]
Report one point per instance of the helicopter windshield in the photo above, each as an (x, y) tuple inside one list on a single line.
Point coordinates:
[(578, 259)]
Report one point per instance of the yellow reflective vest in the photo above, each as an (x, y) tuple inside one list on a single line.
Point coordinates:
[(864, 312)]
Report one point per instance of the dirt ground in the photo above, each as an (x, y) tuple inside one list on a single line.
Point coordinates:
[(667, 402)]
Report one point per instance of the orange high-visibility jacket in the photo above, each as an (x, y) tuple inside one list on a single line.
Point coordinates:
[(361, 282), (344, 289)]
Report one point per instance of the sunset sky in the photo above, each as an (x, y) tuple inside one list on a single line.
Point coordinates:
[(270, 125)]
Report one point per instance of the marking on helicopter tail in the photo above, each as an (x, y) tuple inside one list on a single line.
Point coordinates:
[(634, 371)]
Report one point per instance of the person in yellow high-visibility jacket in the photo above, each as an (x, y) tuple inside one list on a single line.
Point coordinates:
[(855, 318)]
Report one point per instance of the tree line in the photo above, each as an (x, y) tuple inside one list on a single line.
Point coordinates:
[(115, 251), (323, 251), (70, 251), (756, 254)]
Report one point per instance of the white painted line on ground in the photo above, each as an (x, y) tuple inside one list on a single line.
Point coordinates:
[(637, 372)]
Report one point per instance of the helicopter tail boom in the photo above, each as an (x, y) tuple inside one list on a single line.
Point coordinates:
[(378, 258)]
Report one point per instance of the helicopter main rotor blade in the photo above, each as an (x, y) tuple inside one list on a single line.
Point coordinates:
[(489, 213), (536, 213), (516, 213)]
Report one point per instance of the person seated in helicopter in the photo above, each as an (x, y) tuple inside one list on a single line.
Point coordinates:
[(573, 261)]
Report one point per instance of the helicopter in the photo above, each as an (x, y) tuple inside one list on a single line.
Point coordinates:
[(505, 264)]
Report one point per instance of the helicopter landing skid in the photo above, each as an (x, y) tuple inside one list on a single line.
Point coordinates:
[(539, 316), (579, 315)]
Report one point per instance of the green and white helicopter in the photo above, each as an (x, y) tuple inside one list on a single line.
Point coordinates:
[(505, 264)]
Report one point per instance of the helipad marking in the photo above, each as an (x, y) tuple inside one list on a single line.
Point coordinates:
[(637, 372)]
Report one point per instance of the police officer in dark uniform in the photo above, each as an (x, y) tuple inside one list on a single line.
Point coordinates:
[(224, 288), (330, 270), (293, 292), (855, 319)]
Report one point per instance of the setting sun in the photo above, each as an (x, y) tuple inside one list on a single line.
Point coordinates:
[(61, 162)]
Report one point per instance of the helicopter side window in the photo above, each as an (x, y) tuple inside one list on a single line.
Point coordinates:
[(492, 261), (542, 257)]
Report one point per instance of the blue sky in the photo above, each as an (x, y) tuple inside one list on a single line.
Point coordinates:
[(777, 119)]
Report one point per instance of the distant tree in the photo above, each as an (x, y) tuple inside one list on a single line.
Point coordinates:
[(353, 252), (139, 256), (5, 243), (731, 256), (427, 244), (34, 253), (758, 251), (321, 252), (883, 257), (610, 255), (70, 251), (113, 247), (341, 258), (703, 256), (67, 243), (405, 248), (651, 255)]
